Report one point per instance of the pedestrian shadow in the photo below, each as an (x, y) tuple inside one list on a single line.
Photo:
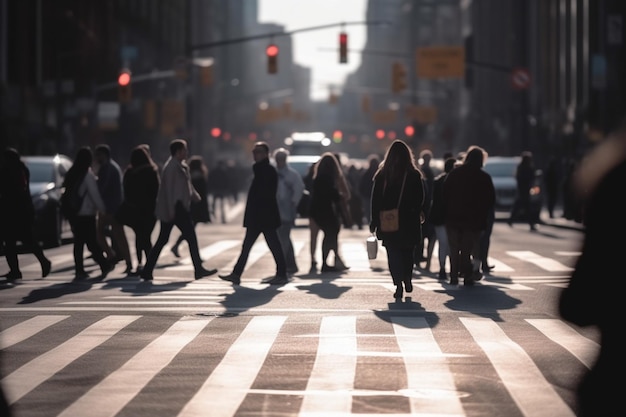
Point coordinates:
[(407, 308), (59, 290), (481, 300), (142, 288), (244, 298), (325, 289)]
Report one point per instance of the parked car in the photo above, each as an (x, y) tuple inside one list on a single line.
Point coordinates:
[(46, 186), (502, 171)]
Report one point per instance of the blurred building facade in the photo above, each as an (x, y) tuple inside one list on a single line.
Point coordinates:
[(539, 75)]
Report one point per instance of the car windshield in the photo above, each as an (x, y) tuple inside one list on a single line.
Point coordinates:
[(40, 171), (498, 169)]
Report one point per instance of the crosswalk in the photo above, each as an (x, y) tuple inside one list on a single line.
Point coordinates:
[(328, 365), (547, 268)]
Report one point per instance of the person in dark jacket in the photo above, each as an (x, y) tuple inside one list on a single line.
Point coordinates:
[(261, 217), (80, 177), (141, 186), (595, 293), (327, 197), (525, 177), (199, 209), (438, 216), (366, 183), (469, 195), (17, 214), (398, 183), (110, 185)]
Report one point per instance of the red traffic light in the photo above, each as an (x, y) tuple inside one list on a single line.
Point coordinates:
[(343, 47), (409, 130), (272, 50), (272, 59), (124, 78)]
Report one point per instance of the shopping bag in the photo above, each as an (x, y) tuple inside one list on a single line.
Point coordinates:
[(372, 247)]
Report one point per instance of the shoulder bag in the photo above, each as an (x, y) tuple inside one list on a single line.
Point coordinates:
[(390, 219)]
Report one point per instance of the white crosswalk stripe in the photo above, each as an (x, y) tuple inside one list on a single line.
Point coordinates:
[(430, 384)]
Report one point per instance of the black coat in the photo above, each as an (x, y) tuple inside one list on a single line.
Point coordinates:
[(141, 186), (16, 205), (469, 197), (200, 209), (262, 208), (325, 202), (385, 197)]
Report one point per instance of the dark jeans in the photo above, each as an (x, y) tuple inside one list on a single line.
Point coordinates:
[(464, 249), (182, 220), (400, 262), (84, 231), (271, 237), (28, 241)]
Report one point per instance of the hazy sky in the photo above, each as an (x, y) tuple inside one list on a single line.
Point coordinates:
[(318, 49)]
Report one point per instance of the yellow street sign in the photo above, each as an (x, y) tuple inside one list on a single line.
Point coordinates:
[(440, 62)]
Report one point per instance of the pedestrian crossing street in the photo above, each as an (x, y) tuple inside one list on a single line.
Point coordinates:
[(291, 366), (513, 270)]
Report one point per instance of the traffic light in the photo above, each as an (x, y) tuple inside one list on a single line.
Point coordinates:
[(272, 59), (343, 48), (124, 86), (398, 77), (337, 136)]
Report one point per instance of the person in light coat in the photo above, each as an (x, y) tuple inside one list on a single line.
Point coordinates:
[(288, 195), (173, 208)]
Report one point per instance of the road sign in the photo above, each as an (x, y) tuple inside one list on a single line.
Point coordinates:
[(440, 62), (520, 78)]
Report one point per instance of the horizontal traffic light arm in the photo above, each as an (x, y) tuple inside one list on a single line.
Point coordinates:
[(276, 34)]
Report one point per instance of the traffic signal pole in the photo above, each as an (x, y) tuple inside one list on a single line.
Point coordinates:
[(224, 42)]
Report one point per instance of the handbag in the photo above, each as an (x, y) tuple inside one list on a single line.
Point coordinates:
[(372, 247), (390, 219)]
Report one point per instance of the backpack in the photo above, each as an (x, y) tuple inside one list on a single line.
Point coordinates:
[(71, 201)]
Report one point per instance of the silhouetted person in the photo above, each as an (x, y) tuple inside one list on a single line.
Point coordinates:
[(469, 197), (110, 180), (329, 188), (173, 209), (595, 294), (81, 178), (288, 195), (17, 214), (220, 187), (366, 183), (199, 209), (261, 217), (438, 216), (525, 178), (428, 229), (552, 179), (141, 186), (399, 184)]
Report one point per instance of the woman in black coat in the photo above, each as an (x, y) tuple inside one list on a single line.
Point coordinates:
[(141, 186), (398, 184), (325, 210)]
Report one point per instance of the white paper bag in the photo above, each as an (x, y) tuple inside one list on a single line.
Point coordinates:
[(372, 247)]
